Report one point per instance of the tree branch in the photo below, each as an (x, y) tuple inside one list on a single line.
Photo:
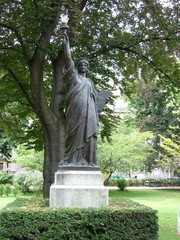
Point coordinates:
[(21, 87), (157, 69), (83, 4), (36, 65), (18, 100), (19, 39), (129, 50), (165, 38), (153, 39), (7, 48)]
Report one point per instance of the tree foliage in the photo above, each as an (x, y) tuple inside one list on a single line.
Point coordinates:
[(124, 40), (28, 158), (5, 147), (157, 110), (127, 152), (134, 38), (169, 157)]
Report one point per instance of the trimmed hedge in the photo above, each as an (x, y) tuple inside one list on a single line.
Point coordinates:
[(79, 224)]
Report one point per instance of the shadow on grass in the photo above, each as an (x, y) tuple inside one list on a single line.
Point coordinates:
[(27, 203)]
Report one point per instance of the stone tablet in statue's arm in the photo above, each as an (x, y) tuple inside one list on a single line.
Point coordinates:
[(102, 98)]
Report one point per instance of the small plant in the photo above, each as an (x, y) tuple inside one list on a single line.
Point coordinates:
[(1, 190), (7, 189), (121, 183)]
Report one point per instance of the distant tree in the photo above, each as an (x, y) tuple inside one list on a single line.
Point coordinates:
[(153, 153), (28, 158), (155, 109), (169, 156), (126, 152)]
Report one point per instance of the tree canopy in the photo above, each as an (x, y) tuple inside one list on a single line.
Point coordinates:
[(126, 152), (124, 40), (169, 157)]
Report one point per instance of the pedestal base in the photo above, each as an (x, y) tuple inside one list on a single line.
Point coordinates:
[(81, 189)]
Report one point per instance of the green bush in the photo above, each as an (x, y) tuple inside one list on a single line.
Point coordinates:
[(112, 182), (121, 183), (79, 224), (5, 177), (135, 182), (20, 179), (30, 181)]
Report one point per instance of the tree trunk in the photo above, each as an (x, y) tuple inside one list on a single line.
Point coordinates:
[(106, 181), (54, 134), (54, 152), (51, 115)]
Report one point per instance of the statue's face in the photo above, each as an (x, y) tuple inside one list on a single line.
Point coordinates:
[(82, 67)]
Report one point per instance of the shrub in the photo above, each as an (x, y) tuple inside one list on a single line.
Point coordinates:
[(20, 179), (122, 184), (7, 189), (135, 182), (81, 224), (5, 177), (112, 182), (31, 181), (35, 181)]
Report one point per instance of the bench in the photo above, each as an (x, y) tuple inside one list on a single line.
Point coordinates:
[(153, 183)]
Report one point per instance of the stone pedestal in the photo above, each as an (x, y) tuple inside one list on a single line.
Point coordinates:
[(81, 189)]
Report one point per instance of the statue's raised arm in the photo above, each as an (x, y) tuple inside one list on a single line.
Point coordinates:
[(67, 51)]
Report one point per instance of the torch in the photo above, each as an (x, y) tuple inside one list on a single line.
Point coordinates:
[(64, 22)]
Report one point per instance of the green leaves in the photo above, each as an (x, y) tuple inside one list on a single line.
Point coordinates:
[(29, 158), (113, 223), (156, 108), (124, 41), (126, 152), (6, 147)]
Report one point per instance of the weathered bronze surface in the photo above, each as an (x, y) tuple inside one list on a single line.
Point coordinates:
[(83, 106)]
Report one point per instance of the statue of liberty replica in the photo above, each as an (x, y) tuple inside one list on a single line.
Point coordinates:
[(79, 182)]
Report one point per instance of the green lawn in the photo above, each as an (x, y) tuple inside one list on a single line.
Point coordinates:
[(6, 200), (165, 201)]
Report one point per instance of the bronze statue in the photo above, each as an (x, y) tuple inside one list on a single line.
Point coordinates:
[(81, 114)]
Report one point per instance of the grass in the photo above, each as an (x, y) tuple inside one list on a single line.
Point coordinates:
[(6, 200), (165, 201)]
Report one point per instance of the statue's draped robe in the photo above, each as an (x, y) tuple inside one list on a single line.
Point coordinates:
[(81, 120)]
